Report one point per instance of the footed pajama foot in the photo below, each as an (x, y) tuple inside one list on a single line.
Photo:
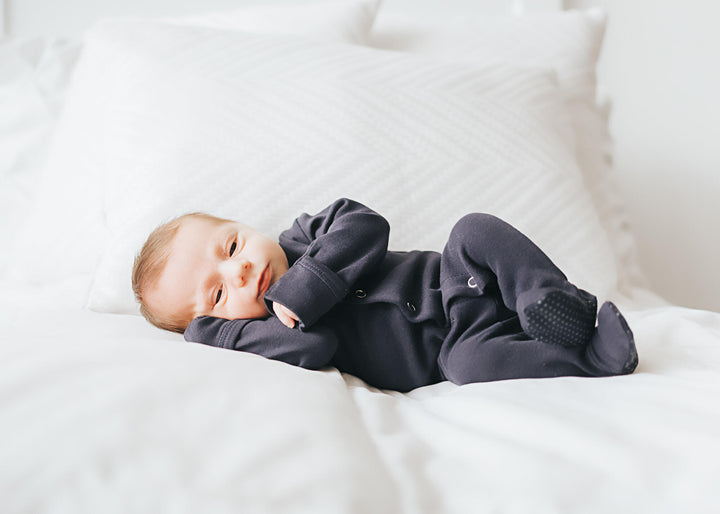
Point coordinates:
[(612, 348), (554, 316)]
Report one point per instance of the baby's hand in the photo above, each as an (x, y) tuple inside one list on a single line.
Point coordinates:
[(285, 315)]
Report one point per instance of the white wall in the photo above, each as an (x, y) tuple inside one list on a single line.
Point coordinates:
[(2, 18), (661, 64)]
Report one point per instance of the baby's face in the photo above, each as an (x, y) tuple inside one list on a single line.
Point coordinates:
[(219, 269)]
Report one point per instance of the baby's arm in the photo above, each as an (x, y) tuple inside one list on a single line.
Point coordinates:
[(267, 337), (328, 253)]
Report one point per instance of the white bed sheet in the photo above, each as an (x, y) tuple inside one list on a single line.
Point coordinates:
[(104, 413)]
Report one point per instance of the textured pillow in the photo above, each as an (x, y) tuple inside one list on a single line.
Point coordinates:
[(65, 230), (262, 128), (569, 42)]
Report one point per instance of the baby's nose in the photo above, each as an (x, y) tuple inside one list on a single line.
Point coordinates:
[(238, 272)]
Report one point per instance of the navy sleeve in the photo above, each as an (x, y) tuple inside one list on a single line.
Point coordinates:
[(328, 253), (267, 337)]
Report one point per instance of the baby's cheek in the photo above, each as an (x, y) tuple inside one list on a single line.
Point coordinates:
[(248, 309)]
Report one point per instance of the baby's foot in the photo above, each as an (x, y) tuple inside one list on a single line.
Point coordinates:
[(612, 348), (554, 316)]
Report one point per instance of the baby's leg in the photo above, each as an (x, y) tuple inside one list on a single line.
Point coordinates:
[(486, 342), (476, 352), (550, 308)]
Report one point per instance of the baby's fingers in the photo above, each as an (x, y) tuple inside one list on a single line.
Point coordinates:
[(285, 315), (286, 320)]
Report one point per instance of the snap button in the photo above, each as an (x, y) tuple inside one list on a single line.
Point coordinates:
[(411, 307), (471, 282), (360, 293)]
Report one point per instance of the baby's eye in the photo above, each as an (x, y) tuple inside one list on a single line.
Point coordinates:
[(233, 247), (218, 296)]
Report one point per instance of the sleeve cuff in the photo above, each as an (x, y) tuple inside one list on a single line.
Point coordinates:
[(214, 331), (309, 289)]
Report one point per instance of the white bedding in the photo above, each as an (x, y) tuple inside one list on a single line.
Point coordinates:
[(104, 413), (101, 412)]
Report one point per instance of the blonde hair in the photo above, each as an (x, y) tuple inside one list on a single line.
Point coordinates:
[(150, 263)]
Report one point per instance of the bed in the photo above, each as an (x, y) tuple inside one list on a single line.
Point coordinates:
[(259, 113)]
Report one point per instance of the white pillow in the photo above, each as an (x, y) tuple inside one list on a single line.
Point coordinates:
[(262, 128), (65, 231), (570, 43), (343, 22)]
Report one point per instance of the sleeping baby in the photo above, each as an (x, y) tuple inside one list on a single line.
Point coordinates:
[(492, 306)]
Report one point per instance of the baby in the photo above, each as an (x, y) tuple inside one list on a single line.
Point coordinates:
[(492, 306)]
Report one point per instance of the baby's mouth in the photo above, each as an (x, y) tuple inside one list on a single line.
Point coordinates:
[(264, 281)]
